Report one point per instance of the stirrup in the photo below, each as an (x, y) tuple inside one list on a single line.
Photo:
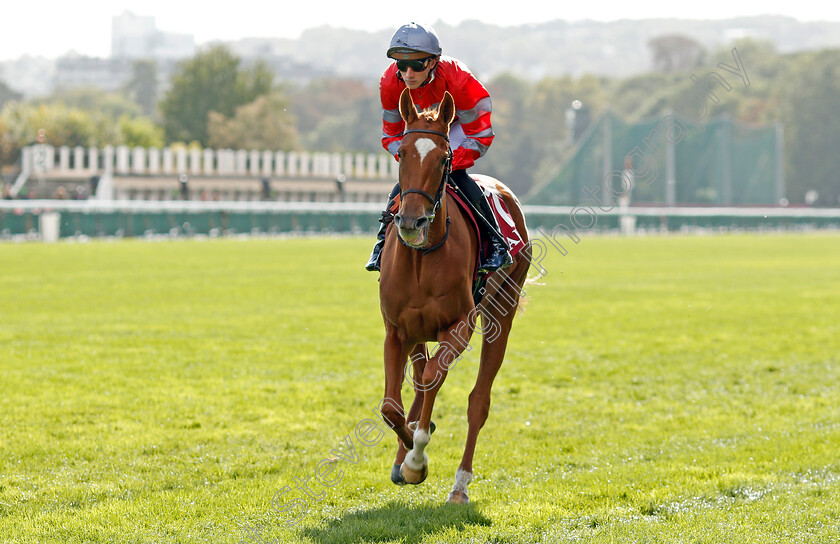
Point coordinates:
[(375, 260), (499, 259), (376, 255)]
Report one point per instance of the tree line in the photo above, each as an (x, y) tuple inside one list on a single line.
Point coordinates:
[(218, 100)]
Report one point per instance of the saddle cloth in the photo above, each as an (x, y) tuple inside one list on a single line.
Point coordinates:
[(504, 219)]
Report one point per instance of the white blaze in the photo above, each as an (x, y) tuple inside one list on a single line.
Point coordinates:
[(424, 145)]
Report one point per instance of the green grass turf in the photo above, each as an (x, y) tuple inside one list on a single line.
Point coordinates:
[(664, 389)]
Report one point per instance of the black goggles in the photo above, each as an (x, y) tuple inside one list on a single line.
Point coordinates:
[(418, 65)]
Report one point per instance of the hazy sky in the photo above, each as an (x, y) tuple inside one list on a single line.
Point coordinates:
[(51, 28)]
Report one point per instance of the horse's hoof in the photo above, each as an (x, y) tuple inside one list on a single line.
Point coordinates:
[(396, 477), (458, 497), (411, 476)]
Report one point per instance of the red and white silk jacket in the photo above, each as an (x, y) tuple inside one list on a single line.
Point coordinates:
[(470, 133)]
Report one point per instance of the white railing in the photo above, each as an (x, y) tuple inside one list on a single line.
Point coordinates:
[(559, 212), (189, 206), (124, 161)]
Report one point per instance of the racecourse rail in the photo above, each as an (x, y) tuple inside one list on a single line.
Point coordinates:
[(139, 173), (213, 162), (54, 219)]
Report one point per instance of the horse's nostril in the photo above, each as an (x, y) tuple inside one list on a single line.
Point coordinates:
[(398, 220), (422, 222)]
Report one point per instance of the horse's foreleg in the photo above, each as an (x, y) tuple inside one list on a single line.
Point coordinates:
[(453, 342), (418, 358), (396, 354)]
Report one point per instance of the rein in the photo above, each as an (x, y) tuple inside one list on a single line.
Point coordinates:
[(438, 198)]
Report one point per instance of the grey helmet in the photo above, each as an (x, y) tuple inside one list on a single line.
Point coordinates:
[(415, 37)]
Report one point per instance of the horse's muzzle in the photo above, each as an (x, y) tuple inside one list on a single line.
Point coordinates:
[(411, 224), (413, 231)]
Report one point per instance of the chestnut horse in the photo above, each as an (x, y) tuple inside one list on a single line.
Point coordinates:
[(426, 294)]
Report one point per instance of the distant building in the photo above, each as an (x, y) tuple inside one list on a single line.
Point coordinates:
[(137, 37), (132, 35), (73, 71), (30, 76), (133, 38)]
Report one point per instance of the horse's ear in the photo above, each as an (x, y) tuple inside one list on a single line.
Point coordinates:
[(446, 111), (407, 109)]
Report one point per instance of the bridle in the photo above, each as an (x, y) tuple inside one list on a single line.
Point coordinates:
[(438, 198)]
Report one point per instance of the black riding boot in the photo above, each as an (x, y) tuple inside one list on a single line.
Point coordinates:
[(499, 256), (387, 217)]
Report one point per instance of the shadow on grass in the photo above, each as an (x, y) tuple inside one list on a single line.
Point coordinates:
[(396, 522)]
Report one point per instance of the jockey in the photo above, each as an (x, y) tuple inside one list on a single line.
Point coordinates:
[(418, 65)]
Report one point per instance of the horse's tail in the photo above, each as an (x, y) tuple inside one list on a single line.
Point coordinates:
[(523, 297)]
